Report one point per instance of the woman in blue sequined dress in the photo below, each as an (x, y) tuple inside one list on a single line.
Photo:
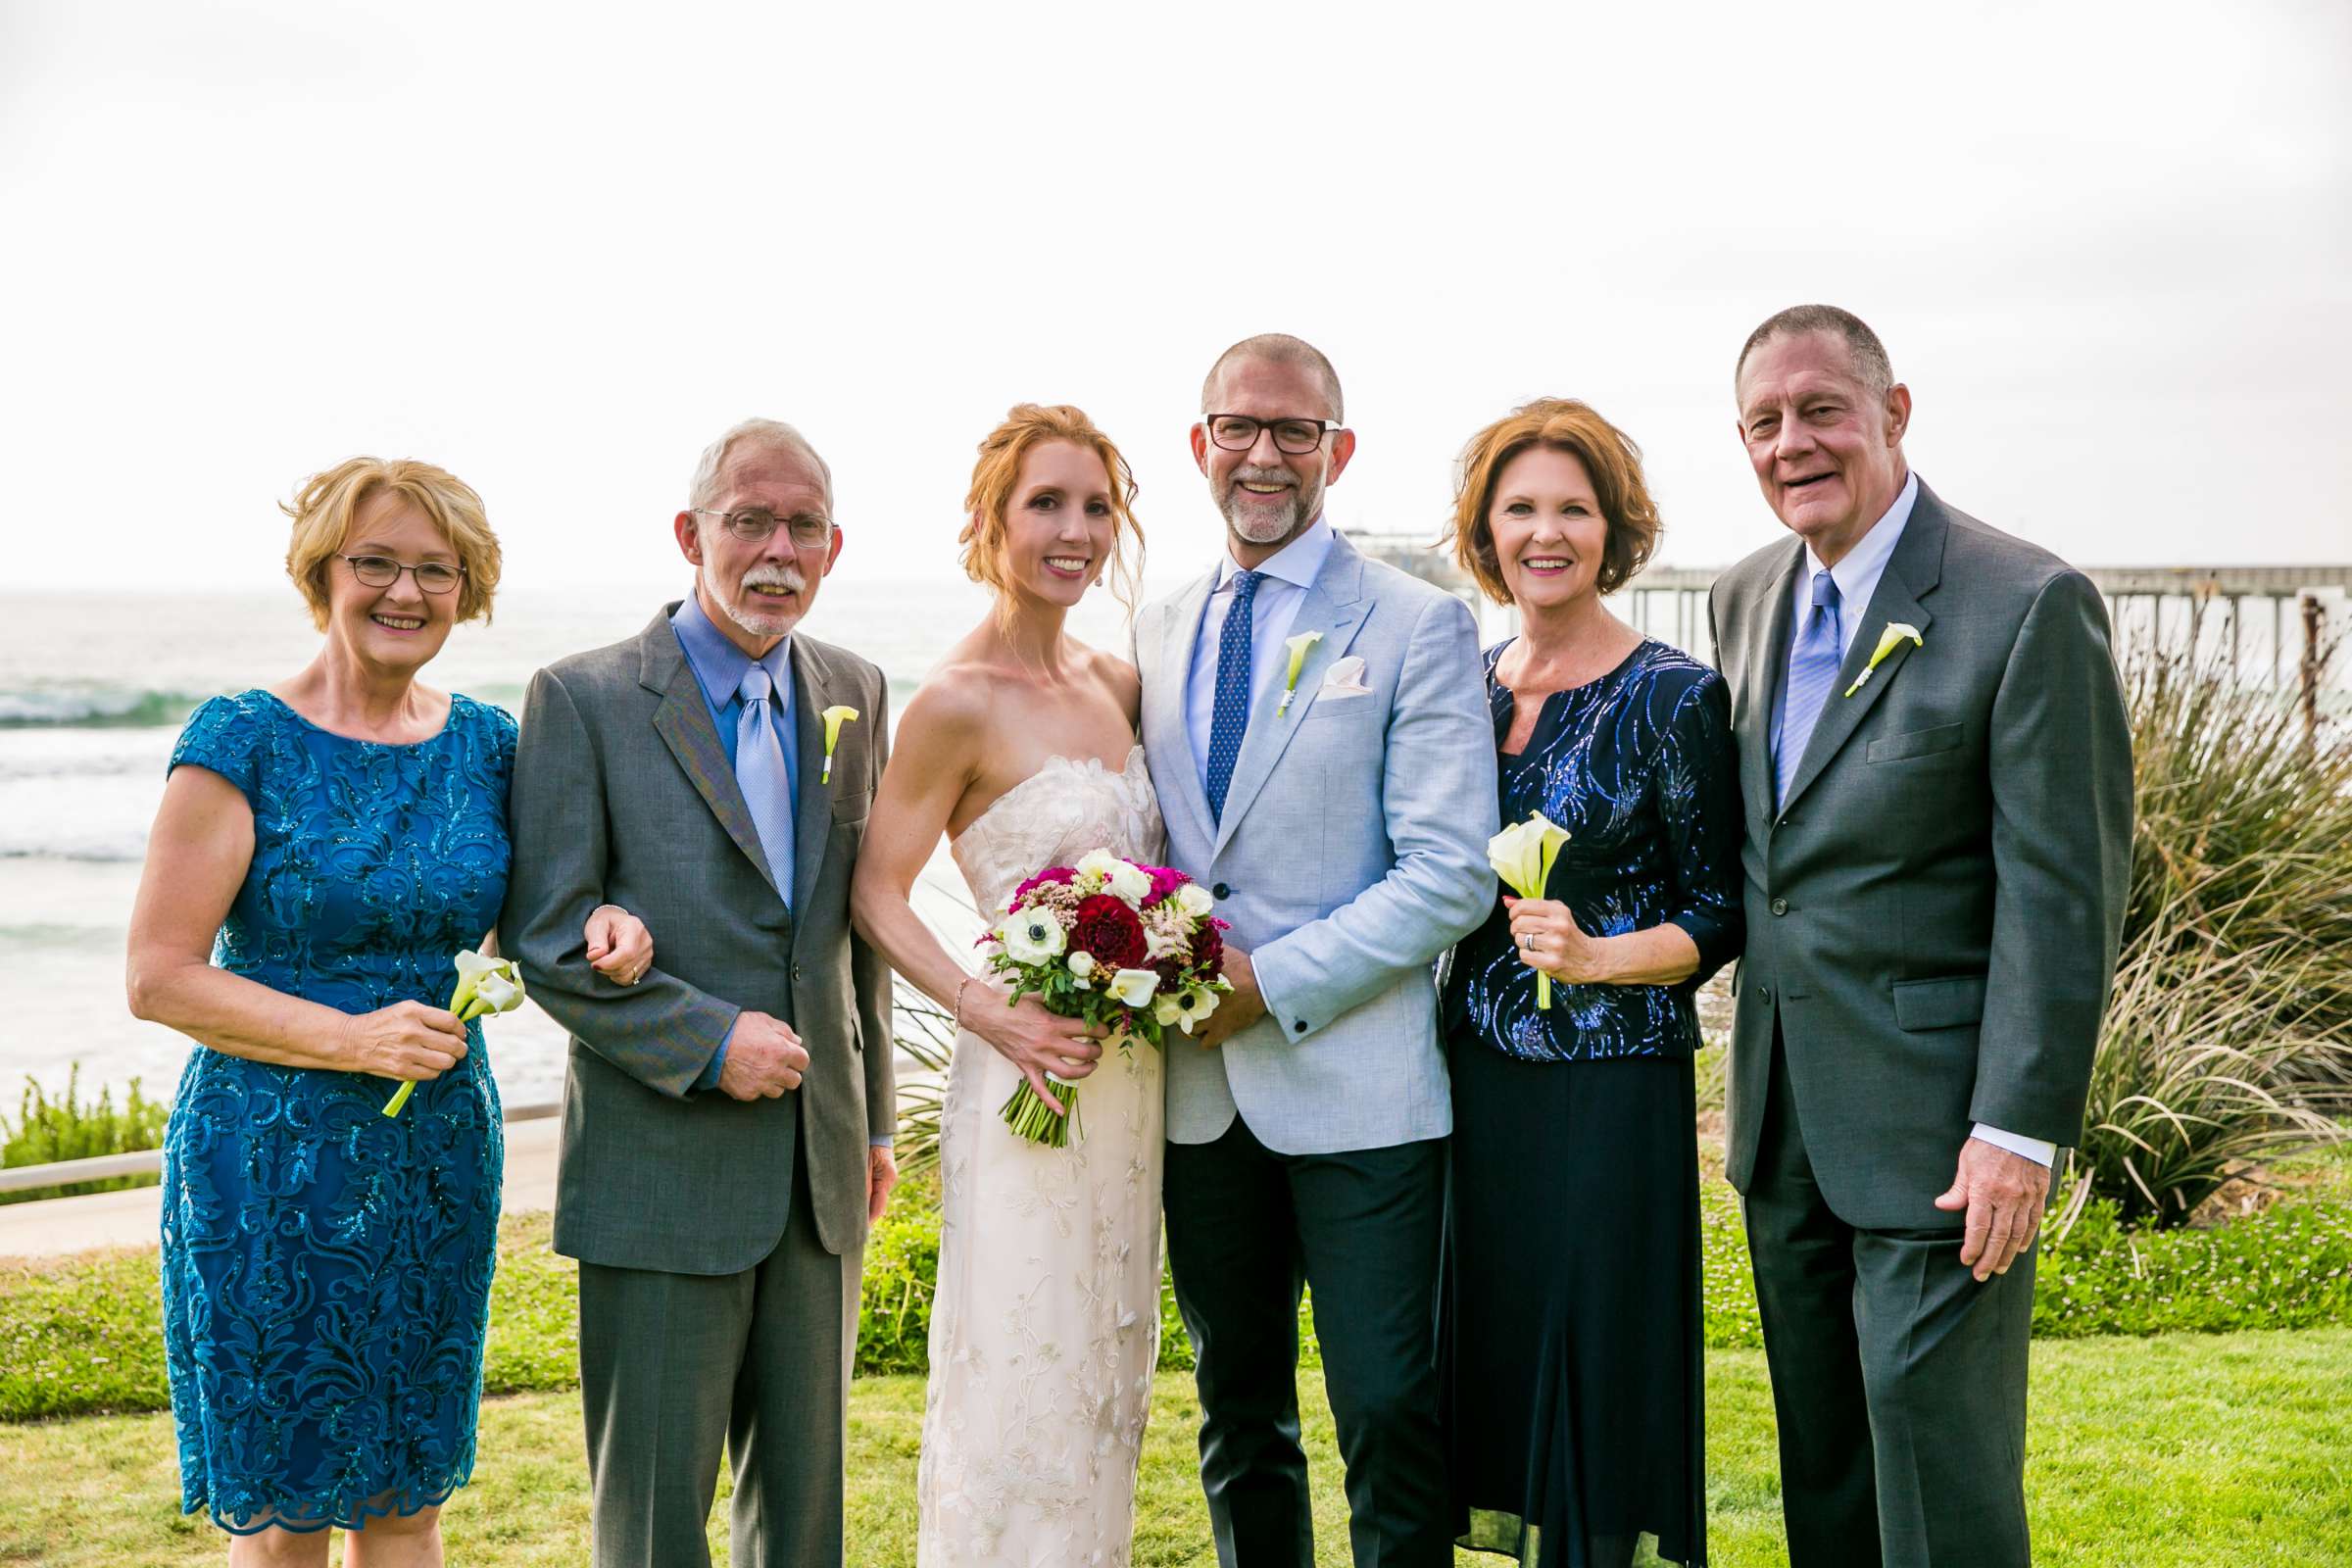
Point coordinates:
[(341, 838), (1572, 1376)]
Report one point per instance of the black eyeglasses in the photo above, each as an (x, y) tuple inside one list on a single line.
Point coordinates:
[(1238, 432), (382, 571), (756, 526)]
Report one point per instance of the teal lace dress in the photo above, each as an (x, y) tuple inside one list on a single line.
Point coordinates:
[(326, 1268)]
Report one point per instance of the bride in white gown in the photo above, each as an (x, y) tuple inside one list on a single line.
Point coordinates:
[(1020, 747)]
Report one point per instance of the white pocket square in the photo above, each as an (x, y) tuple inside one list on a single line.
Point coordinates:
[(1345, 679)]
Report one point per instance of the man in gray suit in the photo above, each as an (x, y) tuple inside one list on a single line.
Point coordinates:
[(1937, 778), (726, 1121), (1317, 729)]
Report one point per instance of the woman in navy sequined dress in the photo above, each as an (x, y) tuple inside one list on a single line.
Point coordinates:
[(341, 838), (1573, 1377)]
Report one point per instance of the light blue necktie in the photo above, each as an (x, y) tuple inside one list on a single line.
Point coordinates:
[(761, 774), (1813, 666), (1229, 721)]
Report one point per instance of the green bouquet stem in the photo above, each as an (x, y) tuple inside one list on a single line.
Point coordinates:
[(1028, 1116)]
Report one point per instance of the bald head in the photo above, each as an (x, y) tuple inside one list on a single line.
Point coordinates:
[(1277, 348)]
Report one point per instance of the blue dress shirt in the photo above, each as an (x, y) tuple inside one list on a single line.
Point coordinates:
[(1289, 574), (718, 667)]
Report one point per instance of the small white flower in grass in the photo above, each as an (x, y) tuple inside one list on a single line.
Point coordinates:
[(1031, 935), (1133, 987)]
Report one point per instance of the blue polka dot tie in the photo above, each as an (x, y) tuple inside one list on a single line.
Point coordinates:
[(1229, 720)]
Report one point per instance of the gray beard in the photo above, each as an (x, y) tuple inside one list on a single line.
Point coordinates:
[(1260, 528), (753, 622)]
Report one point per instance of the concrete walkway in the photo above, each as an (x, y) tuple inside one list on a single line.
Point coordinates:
[(132, 1217)]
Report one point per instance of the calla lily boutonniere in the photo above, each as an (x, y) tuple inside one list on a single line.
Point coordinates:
[(835, 717), (1298, 646), (1894, 636)]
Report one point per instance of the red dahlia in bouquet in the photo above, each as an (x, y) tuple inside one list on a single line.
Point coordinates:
[(1132, 947)]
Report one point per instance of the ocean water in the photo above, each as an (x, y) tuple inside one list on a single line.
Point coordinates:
[(93, 691)]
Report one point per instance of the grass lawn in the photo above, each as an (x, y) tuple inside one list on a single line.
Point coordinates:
[(2178, 1452)]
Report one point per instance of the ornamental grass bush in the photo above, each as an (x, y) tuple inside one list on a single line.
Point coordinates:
[(2229, 1040)]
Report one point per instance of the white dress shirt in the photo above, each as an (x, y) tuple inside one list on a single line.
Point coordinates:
[(1857, 578), (1289, 574)]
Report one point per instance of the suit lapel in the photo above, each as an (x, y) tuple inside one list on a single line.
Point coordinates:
[(812, 811), (1912, 572), (1178, 633), (683, 722), (1334, 607), (1761, 680)]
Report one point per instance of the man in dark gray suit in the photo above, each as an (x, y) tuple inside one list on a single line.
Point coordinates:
[(726, 1120), (1939, 788)]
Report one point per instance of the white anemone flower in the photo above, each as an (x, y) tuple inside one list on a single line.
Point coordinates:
[(1185, 1008), (1031, 935)]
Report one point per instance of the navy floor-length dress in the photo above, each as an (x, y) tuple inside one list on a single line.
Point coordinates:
[(326, 1268), (1571, 1342)]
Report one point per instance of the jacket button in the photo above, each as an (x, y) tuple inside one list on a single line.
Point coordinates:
[(1300, 1026), (796, 971), (1763, 993), (1221, 891), (1780, 906)]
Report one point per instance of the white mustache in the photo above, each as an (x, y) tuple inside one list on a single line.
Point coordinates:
[(788, 580), (1251, 475)]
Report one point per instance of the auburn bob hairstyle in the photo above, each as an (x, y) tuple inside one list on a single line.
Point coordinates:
[(999, 470), (1609, 456), (327, 505)]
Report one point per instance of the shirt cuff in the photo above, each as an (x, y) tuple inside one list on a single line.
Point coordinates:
[(878, 1143), (2034, 1148), (719, 1061)]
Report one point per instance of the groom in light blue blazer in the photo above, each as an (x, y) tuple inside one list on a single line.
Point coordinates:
[(1318, 735)]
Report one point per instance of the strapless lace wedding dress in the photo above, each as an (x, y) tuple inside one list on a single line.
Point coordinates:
[(1045, 1326)]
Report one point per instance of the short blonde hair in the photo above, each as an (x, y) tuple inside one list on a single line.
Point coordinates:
[(1609, 456), (324, 508), (1028, 424)]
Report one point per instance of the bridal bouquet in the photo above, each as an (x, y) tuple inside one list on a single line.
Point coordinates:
[(1132, 947)]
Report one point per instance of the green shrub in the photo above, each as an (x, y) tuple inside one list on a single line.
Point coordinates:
[(2229, 1040), (48, 1130)]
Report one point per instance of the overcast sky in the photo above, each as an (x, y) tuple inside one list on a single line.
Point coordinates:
[(558, 249)]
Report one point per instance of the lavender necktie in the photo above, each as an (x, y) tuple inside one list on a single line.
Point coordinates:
[(761, 774), (1813, 666)]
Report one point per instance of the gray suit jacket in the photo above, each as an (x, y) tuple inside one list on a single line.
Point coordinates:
[(1932, 913), (622, 795), (1352, 851)]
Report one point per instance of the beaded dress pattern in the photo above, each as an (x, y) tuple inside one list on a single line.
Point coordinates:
[(1045, 1326), (326, 1268), (1639, 767)]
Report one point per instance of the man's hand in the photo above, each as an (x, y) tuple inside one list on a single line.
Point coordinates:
[(764, 1058), (881, 1175), (2004, 1194), (1237, 1011)]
